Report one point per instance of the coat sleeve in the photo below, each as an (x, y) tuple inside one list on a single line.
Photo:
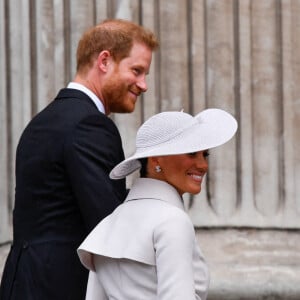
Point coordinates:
[(91, 151), (95, 289), (174, 242)]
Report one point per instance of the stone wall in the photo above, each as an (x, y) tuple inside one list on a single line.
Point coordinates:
[(246, 264), (239, 55)]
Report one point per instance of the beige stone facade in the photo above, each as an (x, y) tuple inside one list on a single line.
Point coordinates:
[(239, 55)]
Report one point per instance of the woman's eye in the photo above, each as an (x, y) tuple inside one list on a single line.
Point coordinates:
[(206, 153), (192, 154)]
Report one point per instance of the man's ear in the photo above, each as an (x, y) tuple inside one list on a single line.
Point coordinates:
[(103, 60)]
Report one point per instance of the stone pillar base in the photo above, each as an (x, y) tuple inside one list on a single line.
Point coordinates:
[(252, 264)]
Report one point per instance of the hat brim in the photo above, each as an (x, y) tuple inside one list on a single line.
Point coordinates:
[(213, 128)]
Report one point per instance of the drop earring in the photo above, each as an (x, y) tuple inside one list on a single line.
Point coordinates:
[(157, 169)]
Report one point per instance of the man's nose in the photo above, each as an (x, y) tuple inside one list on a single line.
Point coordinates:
[(142, 85)]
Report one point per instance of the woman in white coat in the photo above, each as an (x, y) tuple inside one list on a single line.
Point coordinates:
[(146, 249)]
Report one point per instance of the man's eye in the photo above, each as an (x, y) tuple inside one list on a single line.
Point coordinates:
[(136, 71)]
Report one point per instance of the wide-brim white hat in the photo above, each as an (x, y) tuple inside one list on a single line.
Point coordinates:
[(172, 133)]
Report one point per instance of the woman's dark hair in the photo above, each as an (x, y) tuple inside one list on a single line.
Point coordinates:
[(143, 170)]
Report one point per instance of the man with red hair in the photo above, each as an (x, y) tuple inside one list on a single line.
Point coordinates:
[(63, 160)]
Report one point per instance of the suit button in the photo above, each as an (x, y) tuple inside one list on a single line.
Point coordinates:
[(25, 245)]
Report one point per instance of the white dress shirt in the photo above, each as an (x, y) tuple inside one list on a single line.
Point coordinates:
[(146, 249)]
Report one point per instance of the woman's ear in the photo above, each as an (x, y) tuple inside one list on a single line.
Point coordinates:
[(154, 167), (153, 161)]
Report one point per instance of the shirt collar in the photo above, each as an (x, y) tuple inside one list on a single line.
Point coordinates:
[(82, 88), (148, 188)]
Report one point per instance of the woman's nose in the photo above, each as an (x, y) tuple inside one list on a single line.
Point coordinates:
[(202, 162)]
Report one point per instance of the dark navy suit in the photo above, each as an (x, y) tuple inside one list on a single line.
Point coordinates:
[(62, 191)]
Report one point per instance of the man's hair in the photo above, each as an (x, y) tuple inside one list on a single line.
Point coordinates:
[(115, 35)]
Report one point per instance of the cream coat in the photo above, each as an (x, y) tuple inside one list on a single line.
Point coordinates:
[(146, 249)]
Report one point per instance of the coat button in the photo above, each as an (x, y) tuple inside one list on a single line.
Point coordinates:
[(25, 245)]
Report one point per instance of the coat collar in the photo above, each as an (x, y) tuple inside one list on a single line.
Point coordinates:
[(148, 188), (117, 235)]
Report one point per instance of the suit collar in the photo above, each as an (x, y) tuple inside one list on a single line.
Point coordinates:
[(147, 188), (67, 93), (93, 96)]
